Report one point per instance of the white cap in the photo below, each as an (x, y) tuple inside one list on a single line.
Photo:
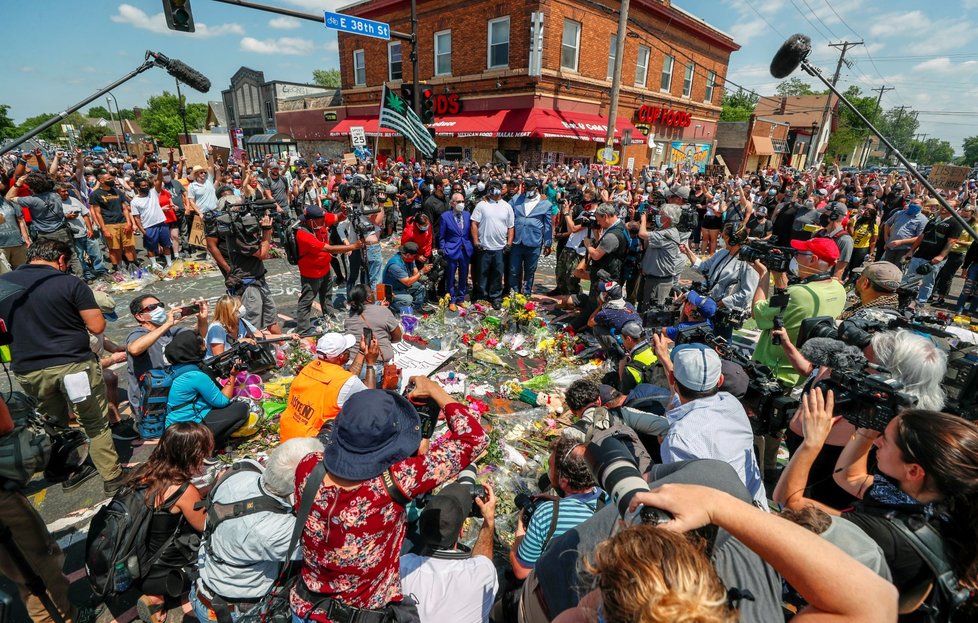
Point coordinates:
[(697, 367), (334, 344)]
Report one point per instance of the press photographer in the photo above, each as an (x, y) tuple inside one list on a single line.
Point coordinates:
[(364, 221), (877, 287), (239, 237), (662, 262), (451, 582)]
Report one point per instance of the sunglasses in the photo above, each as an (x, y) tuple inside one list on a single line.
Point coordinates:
[(151, 307)]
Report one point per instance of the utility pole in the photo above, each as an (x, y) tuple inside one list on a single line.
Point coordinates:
[(616, 80), (867, 144), (824, 126), (896, 124)]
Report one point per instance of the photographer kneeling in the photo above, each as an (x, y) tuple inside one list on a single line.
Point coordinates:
[(195, 397), (451, 582)]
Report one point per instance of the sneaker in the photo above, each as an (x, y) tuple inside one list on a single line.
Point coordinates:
[(78, 478), (124, 430), (111, 486)]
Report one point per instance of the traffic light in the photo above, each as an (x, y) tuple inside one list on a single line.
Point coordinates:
[(407, 94), (178, 15), (427, 106)]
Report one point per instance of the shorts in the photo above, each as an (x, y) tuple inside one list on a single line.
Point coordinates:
[(116, 237), (259, 307), (157, 236), (712, 222)]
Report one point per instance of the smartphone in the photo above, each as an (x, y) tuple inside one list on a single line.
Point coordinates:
[(368, 335), (189, 310)]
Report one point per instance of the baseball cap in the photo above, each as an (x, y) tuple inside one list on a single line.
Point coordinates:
[(335, 344), (678, 191), (632, 329), (760, 211), (824, 249), (836, 210), (607, 393), (409, 248), (107, 304), (441, 521), (314, 211), (697, 367), (531, 182), (821, 192), (611, 288), (735, 379), (772, 192), (706, 306), (883, 274)]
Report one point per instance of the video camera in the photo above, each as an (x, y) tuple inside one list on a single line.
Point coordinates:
[(961, 381), (587, 220), (256, 210), (255, 358), (867, 400), (777, 259), (858, 330)]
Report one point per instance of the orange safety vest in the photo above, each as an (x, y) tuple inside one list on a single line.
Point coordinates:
[(312, 399)]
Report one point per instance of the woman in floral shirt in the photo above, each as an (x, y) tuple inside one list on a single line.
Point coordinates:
[(352, 538)]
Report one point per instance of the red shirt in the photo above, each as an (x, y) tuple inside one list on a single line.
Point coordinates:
[(313, 261), (418, 237), (351, 544)]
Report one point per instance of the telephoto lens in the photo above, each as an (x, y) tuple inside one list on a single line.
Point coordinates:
[(615, 470)]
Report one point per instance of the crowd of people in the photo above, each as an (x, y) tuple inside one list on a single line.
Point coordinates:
[(872, 519)]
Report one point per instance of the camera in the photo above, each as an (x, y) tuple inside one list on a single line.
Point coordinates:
[(587, 220), (867, 400), (660, 317), (255, 358), (733, 318), (528, 505), (768, 407), (777, 259), (189, 310), (700, 333), (428, 410), (961, 381), (615, 470), (467, 477)]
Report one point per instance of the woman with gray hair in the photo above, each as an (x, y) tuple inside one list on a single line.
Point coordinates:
[(662, 261), (241, 554)]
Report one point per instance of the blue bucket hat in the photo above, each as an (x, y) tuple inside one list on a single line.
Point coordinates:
[(375, 429)]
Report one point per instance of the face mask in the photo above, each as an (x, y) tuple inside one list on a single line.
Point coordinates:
[(458, 207), (600, 184), (530, 194), (242, 311), (497, 192), (167, 178), (422, 228), (913, 210), (793, 266), (823, 220), (158, 316), (658, 221)]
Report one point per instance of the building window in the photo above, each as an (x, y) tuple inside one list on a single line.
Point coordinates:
[(498, 55), (688, 80), (268, 111), (569, 45), (642, 66), (666, 83), (711, 82), (230, 108), (394, 61), (359, 69), (612, 52), (443, 53)]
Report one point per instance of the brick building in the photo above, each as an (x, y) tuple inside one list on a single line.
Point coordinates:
[(495, 94)]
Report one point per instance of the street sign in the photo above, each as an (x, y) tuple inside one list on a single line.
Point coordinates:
[(607, 155), (357, 25), (357, 136)]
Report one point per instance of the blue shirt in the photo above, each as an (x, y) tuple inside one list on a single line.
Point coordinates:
[(903, 226), (192, 395), (715, 427), (616, 317), (573, 510), (396, 270), (217, 334)]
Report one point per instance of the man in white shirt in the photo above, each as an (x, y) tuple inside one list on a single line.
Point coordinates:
[(200, 192), (150, 220), (492, 234), (449, 583)]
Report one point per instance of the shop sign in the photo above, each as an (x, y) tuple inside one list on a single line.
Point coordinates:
[(447, 104), (329, 115), (664, 116)]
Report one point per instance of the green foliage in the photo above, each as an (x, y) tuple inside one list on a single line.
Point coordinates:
[(8, 129), (970, 147), (899, 127), (329, 78), (53, 133), (98, 112), (931, 151), (91, 135), (161, 118), (795, 86), (850, 132), (738, 105)]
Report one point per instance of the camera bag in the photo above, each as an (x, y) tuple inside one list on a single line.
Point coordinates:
[(27, 449)]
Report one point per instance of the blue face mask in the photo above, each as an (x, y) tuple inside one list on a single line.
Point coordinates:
[(658, 221), (913, 210)]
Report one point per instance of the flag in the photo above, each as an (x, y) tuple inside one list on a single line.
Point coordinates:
[(396, 114)]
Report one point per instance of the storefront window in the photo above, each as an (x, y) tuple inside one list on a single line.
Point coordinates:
[(498, 43), (666, 82), (570, 43), (394, 65), (443, 53), (359, 69), (642, 66)]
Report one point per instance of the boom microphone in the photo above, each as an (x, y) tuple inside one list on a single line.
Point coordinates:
[(825, 351), (181, 71), (793, 51)]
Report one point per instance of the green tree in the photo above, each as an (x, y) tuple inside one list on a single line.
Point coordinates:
[(850, 132), (8, 129), (30, 123), (931, 151), (99, 112), (161, 118), (329, 78), (970, 148), (794, 86), (899, 126), (738, 105), (91, 135)]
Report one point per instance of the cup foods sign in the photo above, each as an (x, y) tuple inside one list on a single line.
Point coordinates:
[(664, 116)]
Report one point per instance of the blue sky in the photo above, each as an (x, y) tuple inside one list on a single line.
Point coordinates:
[(926, 50)]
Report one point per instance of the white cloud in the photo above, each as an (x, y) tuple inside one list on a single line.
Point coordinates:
[(942, 36), (944, 65), (897, 24), (282, 45), (27, 69), (320, 5), (137, 18), (743, 32), (284, 23)]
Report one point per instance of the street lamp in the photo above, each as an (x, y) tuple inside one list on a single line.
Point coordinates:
[(122, 129)]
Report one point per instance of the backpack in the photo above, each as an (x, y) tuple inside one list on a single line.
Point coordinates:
[(687, 219), (154, 390), (290, 243), (116, 555), (27, 449)]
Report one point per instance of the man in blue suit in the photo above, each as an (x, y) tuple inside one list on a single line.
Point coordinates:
[(533, 216), (455, 242)]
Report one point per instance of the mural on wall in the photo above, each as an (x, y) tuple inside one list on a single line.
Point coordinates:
[(692, 157)]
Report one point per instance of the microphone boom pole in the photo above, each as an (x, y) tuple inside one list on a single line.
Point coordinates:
[(780, 69)]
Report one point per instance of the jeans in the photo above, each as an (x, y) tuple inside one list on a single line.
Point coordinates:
[(491, 275), (95, 266), (927, 285), (457, 278), (415, 295), (522, 266), (375, 268), (969, 293), (313, 289), (895, 256), (201, 611)]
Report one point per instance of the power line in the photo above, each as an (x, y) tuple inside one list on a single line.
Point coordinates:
[(770, 25), (820, 20), (842, 20), (810, 22)]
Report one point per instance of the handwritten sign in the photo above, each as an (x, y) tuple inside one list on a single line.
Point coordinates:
[(196, 155), (197, 238), (414, 361), (948, 177)]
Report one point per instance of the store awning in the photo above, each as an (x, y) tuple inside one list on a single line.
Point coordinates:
[(522, 123), (269, 139), (762, 145)]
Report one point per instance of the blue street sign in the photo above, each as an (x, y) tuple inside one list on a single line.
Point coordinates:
[(358, 25)]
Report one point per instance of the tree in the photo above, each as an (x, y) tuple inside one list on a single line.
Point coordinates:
[(738, 105), (850, 132), (970, 148), (91, 135), (329, 78), (8, 129), (931, 151), (99, 112), (899, 125), (161, 118), (794, 86), (30, 123)]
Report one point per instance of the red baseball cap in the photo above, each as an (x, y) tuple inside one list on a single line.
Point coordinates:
[(824, 249)]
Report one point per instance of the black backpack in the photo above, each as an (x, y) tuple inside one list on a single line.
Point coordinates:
[(687, 219), (290, 243), (116, 555)]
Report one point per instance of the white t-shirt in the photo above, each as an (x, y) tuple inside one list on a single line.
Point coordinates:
[(460, 591), (148, 209), (494, 220)]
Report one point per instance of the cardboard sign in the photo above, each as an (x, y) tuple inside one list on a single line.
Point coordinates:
[(196, 155), (197, 238), (716, 170), (948, 177), (350, 159), (414, 361), (220, 153)]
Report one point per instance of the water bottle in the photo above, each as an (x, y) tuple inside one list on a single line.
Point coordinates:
[(123, 579)]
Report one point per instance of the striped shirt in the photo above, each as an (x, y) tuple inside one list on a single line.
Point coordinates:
[(572, 511)]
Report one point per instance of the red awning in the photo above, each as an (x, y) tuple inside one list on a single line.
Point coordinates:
[(522, 123)]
